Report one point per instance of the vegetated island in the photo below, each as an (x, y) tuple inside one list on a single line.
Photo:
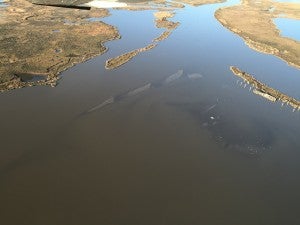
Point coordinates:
[(161, 21), (124, 58), (38, 41), (44, 41), (166, 11), (253, 21), (265, 91)]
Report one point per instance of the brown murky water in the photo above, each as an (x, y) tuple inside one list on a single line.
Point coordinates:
[(168, 138)]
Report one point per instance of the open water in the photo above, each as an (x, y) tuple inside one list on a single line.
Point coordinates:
[(168, 138)]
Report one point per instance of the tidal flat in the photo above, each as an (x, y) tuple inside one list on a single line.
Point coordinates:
[(141, 113)]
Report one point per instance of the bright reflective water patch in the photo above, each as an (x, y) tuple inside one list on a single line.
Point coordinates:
[(288, 27)]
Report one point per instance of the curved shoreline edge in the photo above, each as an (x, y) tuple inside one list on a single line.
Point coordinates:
[(255, 25), (39, 41)]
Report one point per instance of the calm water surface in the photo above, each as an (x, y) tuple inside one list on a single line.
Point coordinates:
[(181, 143), (288, 27)]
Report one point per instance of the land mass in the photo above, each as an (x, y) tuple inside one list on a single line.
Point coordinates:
[(38, 40), (161, 21), (253, 21)]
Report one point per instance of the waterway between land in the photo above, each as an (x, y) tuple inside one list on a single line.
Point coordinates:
[(171, 137)]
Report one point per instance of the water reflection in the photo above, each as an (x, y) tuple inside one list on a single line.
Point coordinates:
[(170, 137), (244, 135), (287, 27), (33, 59), (260, 33), (265, 91), (59, 39), (140, 90)]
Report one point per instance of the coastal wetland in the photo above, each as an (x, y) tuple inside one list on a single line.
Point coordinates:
[(157, 112)]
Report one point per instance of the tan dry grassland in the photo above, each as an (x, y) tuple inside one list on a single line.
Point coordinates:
[(38, 40), (124, 58), (253, 21)]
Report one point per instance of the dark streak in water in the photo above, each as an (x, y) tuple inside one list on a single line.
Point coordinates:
[(157, 84), (251, 137)]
